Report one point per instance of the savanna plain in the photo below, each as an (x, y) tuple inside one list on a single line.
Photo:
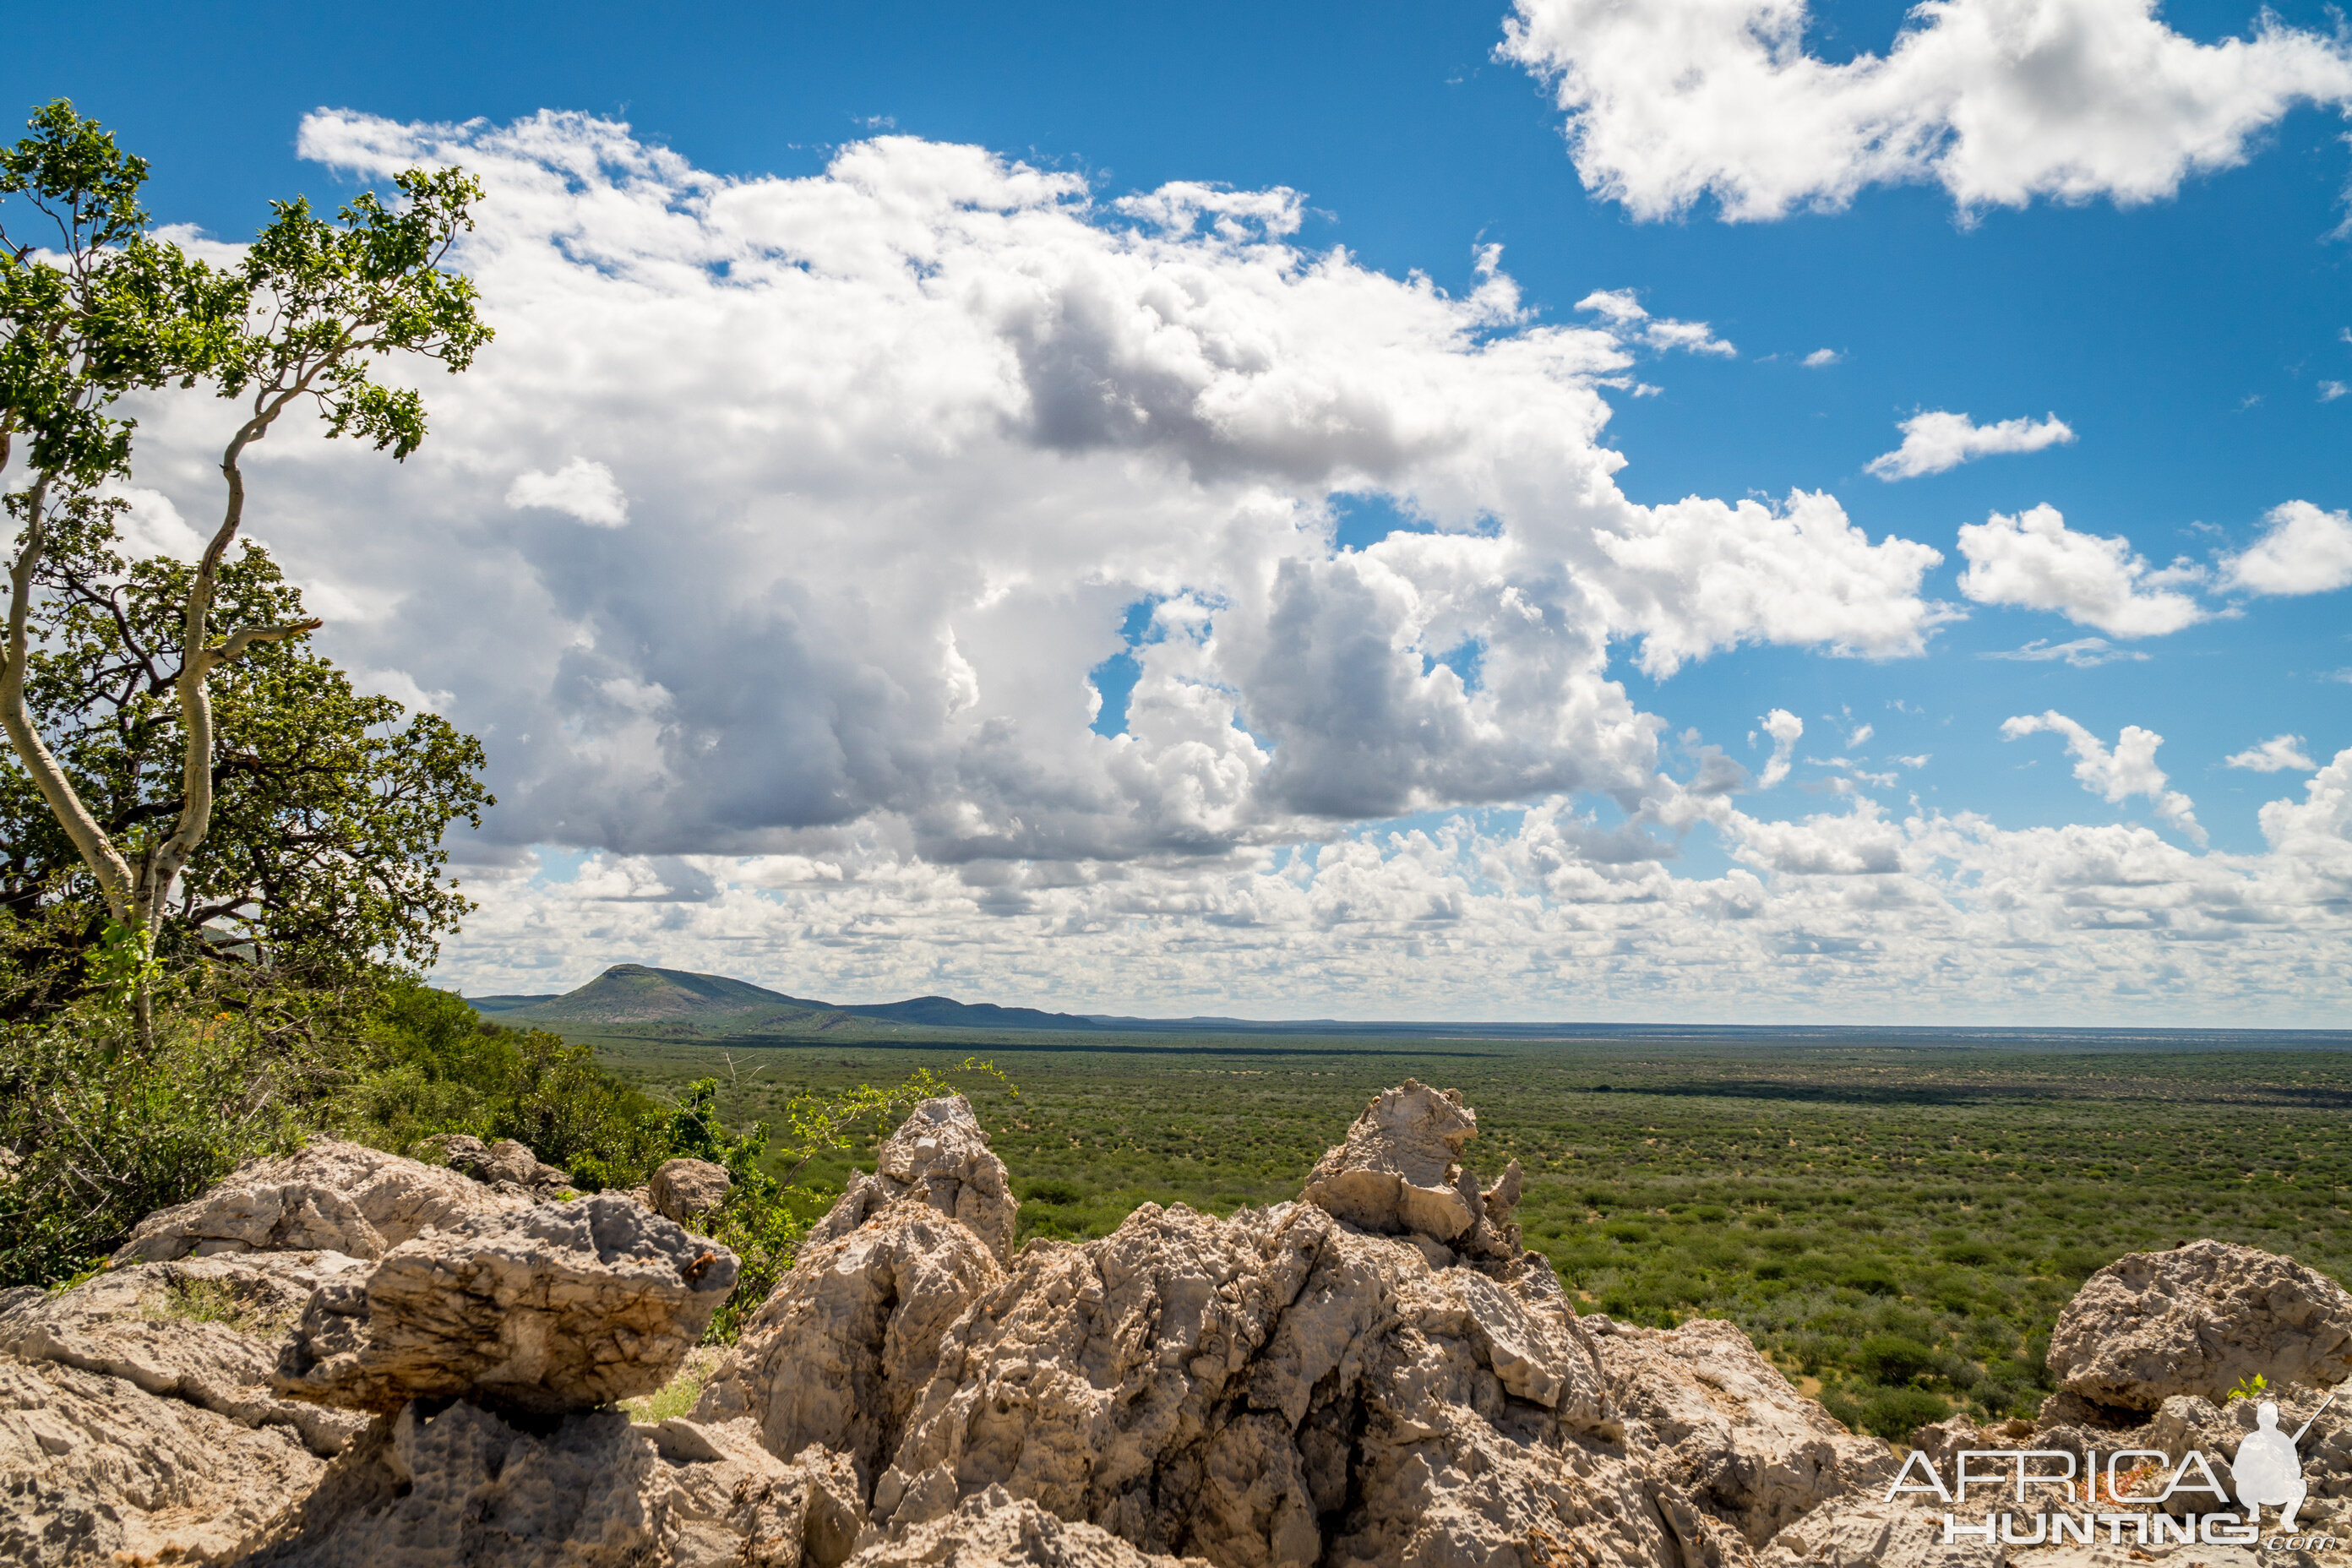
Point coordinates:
[(1896, 1220)]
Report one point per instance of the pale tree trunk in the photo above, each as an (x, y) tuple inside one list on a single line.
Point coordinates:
[(139, 900)]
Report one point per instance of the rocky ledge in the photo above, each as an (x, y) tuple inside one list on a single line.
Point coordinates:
[(345, 1357)]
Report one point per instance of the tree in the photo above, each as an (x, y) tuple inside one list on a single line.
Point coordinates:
[(329, 806), (303, 319)]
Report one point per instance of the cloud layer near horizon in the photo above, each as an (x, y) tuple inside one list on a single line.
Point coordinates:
[(771, 546)]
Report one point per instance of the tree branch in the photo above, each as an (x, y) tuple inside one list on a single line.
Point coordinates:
[(98, 851)]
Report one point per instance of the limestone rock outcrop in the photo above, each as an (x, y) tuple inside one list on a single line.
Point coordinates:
[(840, 1352), (1372, 1376), (1277, 1388), (1398, 1173), (328, 1196), (683, 1190), (939, 1158), (2199, 1320), (558, 1307), (1729, 1429)]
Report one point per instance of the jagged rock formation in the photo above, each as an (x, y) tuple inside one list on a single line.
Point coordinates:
[(2200, 1319), (683, 1190), (564, 1307), (1399, 1175), (331, 1197), (940, 1159), (1374, 1376)]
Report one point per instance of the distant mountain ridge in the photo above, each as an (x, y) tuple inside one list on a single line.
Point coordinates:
[(640, 994)]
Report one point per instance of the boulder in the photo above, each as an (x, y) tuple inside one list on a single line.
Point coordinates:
[(686, 1190), (328, 1196), (505, 1163), (1729, 1429), (203, 1331), (2200, 1319), (840, 1352), (94, 1470), (1398, 1174), (994, 1530), (1279, 1388), (556, 1308), (940, 1158)]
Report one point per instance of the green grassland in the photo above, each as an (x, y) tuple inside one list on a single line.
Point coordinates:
[(1898, 1224)]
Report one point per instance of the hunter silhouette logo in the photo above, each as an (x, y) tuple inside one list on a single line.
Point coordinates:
[(2267, 1472), (2269, 1468)]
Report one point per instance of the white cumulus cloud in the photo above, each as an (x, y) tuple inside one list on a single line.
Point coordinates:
[(2035, 560), (1935, 441), (2304, 551), (1821, 359), (583, 488), (1998, 102), (2280, 753), (2114, 775), (1785, 728), (908, 444)]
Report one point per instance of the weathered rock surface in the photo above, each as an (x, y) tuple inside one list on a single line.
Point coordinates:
[(328, 1196), (1279, 1388), (685, 1190), (204, 1329), (1373, 1377), (940, 1159), (2199, 1320), (95, 1470), (556, 1308), (505, 1163), (994, 1529), (1398, 1173), (1729, 1429), (463, 1486), (839, 1354), (1863, 1532), (738, 1504)]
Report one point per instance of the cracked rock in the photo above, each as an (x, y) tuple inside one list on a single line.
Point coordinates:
[(685, 1190), (557, 1308), (328, 1196), (2199, 1320)]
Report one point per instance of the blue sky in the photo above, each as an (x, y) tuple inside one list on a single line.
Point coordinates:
[(2186, 333)]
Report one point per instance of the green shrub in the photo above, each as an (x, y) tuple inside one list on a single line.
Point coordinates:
[(1895, 1414), (1893, 1358), (1869, 1277), (104, 1136)]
